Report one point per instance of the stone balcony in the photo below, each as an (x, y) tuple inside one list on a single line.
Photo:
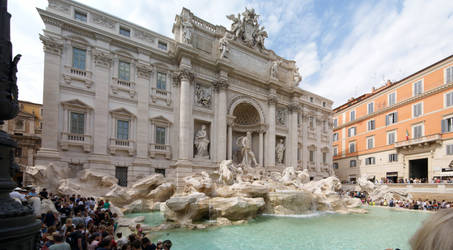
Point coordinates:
[(422, 141), (159, 149), (81, 140), (161, 94), (71, 73), (123, 85), (122, 145)]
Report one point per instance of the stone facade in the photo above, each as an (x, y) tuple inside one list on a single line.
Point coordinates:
[(124, 100)]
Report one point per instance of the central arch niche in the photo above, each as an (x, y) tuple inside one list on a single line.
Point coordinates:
[(246, 114)]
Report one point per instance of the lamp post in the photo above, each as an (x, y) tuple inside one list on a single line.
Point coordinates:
[(19, 228)]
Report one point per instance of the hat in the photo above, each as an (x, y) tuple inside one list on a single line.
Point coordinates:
[(19, 189), (50, 237)]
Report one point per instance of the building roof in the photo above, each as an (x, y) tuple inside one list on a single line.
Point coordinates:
[(388, 85)]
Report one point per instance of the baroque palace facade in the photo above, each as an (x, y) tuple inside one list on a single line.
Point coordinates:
[(130, 102), (399, 131)]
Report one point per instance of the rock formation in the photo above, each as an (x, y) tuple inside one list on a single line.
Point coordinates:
[(381, 192)]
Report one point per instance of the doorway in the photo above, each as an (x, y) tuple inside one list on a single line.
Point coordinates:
[(419, 169)]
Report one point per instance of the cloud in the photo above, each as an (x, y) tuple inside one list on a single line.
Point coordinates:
[(307, 60)]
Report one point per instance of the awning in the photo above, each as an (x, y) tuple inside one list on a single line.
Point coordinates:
[(392, 174)]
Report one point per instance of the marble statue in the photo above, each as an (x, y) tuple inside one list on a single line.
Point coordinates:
[(248, 29), (297, 77), (202, 142), (274, 68), (223, 46), (280, 151), (187, 32), (248, 157), (260, 35)]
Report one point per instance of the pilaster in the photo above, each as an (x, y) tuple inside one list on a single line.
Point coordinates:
[(220, 86), (270, 145)]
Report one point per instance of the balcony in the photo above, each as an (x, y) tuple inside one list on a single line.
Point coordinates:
[(123, 85), (422, 141), (161, 94), (71, 73), (81, 140), (122, 145), (159, 149)]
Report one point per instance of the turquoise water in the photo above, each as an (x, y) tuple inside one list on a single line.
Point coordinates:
[(152, 219), (381, 228)]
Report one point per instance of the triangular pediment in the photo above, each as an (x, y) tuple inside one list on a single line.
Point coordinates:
[(160, 118), (122, 111), (76, 103)]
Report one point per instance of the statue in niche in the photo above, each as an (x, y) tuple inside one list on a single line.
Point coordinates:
[(280, 151), (274, 68), (187, 32), (248, 157), (223, 46), (203, 96), (202, 142)]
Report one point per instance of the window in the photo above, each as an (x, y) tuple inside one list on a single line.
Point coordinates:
[(335, 137), (449, 75), (161, 80), (352, 163), (324, 104), (370, 142), (391, 137), (162, 45), (335, 122), (352, 147), (312, 156), (417, 131), (311, 121), (392, 98), (19, 125), (81, 16), (450, 149), (77, 125), (370, 161), (370, 107), (125, 31), (324, 126), (449, 99), (351, 131), (160, 171), (122, 130), (311, 99), (335, 151), (371, 125), (79, 58), (121, 175), (160, 135), (352, 115), (324, 157), (391, 118), (418, 88), (393, 157), (124, 71), (447, 125), (18, 152), (335, 165), (417, 109)]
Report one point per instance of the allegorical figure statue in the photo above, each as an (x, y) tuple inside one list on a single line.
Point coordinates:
[(274, 68), (248, 157), (187, 32), (280, 151), (223, 46), (202, 142)]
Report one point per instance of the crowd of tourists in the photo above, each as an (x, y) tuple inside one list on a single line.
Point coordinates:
[(84, 223)]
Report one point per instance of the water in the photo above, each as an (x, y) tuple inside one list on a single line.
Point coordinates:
[(152, 219), (381, 228)]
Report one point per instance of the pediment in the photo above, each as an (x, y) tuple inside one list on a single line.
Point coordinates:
[(76, 103), (122, 112), (160, 118)]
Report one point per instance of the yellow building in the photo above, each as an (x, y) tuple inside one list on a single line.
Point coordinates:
[(399, 131)]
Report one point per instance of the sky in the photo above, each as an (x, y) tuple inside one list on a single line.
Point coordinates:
[(343, 48)]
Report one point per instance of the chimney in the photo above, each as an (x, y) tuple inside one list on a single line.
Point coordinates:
[(373, 89), (388, 83)]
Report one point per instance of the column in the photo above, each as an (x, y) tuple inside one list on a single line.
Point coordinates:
[(293, 136), (221, 86), (185, 115), (260, 152), (270, 135), (51, 96)]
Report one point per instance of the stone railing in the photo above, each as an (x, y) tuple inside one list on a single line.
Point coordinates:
[(123, 85), (122, 145), (71, 73), (203, 24), (70, 139), (421, 140), (161, 94), (159, 149)]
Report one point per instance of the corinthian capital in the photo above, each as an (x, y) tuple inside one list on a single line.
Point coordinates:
[(183, 74), (272, 99), (220, 84), (51, 45), (293, 107)]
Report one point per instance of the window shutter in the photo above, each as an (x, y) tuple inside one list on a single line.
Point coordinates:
[(449, 74), (395, 117), (444, 125), (387, 120)]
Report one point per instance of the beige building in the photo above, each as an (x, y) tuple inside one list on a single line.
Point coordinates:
[(127, 101)]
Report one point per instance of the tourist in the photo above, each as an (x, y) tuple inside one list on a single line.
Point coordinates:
[(78, 238), (60, 244), (159, 245), (43, 194), (435, 232), (18, 194), (167, 244), (147, 245), (121, 240)]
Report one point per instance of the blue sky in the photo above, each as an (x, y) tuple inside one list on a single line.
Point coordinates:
[(343, 48)]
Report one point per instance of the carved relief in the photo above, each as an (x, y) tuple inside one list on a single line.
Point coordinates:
[(203, 96), (102, 59), (103, 21), (280, 116), (142, 35), (248, 29)]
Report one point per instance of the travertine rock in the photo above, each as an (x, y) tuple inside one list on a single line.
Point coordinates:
[(381, 192), (162, 193), (198, 183), (235, 208)]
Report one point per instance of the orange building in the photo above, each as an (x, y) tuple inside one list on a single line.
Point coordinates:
[(399, 131)]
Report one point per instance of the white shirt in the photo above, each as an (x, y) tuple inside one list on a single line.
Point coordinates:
[(17, 195)]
